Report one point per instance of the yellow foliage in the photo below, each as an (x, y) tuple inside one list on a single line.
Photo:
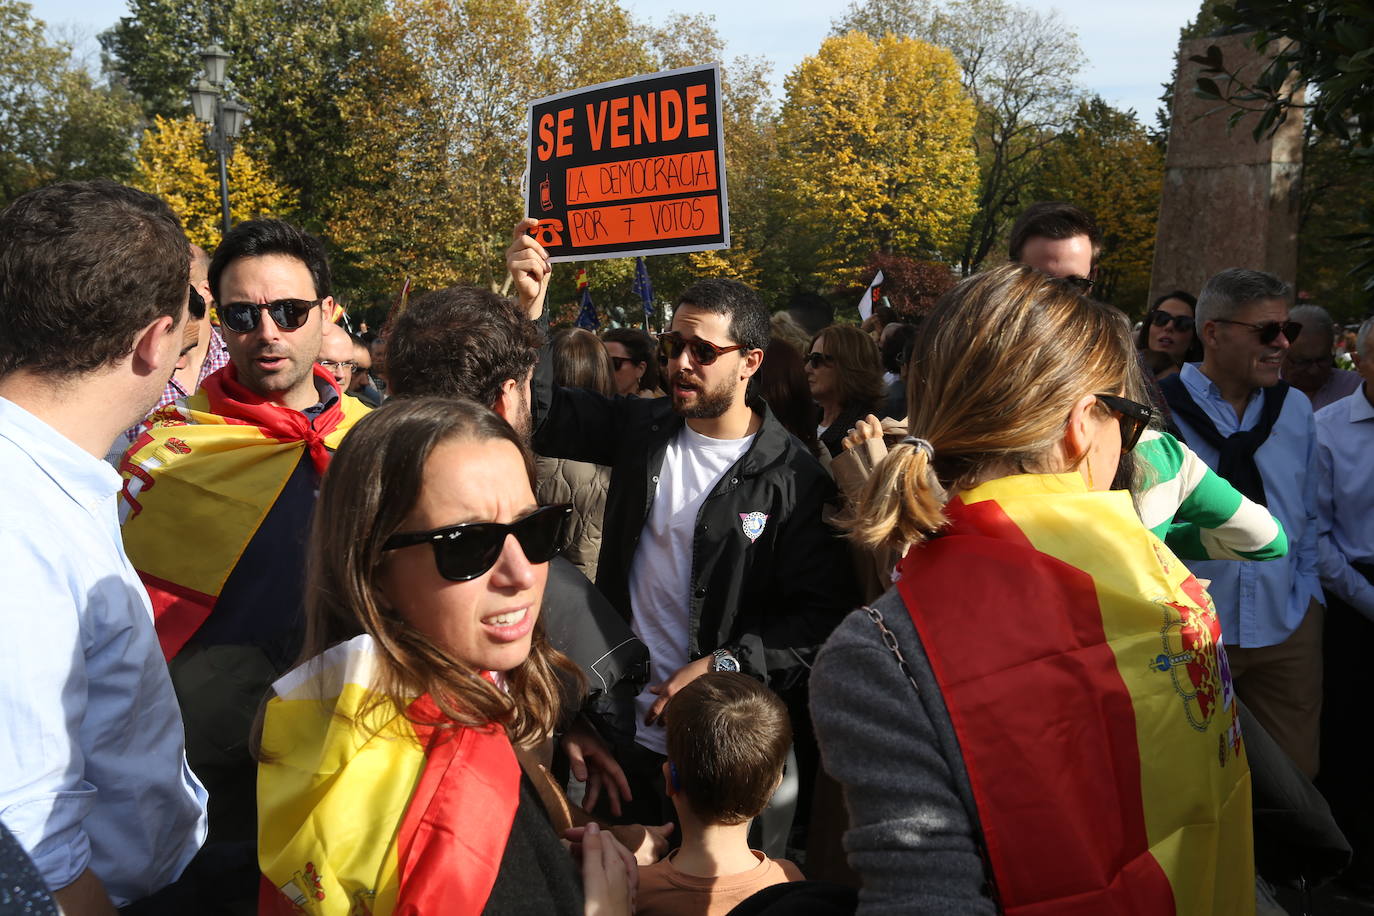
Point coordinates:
[(174, 163), (875, 151)]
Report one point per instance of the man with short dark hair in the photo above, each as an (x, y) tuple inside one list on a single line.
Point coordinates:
[(713, 544), (1059, 240), (219, 493), (1251, 429), (93, 777)]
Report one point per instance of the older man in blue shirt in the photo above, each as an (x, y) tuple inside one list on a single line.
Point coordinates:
[(93, 775), (1258, 433)]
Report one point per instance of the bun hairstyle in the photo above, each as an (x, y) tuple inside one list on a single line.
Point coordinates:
[(995, 371)]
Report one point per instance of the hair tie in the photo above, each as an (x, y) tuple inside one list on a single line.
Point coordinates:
[(920, 444)]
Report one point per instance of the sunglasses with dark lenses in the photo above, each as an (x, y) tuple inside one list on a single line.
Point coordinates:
[(1159, 318), (464, 552), (618, 362), (1133, 417), (671, 344), (1270, 330), (1082, 284), (289, 314), (816, 360)]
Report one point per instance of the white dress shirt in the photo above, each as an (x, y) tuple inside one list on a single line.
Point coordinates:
[(1345, 498), (93, 769)]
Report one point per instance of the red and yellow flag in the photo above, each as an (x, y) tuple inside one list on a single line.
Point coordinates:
[(1083, 671), (368, 810)]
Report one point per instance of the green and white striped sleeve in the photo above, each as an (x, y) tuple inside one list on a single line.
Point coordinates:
[(1196, 512)]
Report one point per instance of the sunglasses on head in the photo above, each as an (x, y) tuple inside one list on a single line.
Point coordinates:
[(1270, 330), (671, 344), (1133, 417), (816, 360), (1159, 318), (289, 314), (464, 552)]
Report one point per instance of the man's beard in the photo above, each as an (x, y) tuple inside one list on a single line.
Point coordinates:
[(710, 403)]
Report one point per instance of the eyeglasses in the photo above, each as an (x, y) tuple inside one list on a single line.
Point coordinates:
[(1159, 318), (289, 314), (618, 362), (1132, 416), (1082, 284), (1270, 330), (671, 344), (1310, 363), (331, 365), (464, 552), (816, 360)]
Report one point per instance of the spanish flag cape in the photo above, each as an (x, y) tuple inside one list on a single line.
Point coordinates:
[(1083, 670), (371, 809), (199, 481)]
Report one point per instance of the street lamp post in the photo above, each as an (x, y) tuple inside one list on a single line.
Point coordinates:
[(222, 112)]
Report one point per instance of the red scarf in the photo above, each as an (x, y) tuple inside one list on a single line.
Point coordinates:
[(235, 403)]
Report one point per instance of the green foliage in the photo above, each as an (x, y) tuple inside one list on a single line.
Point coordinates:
[(153, 49), (55, 122)]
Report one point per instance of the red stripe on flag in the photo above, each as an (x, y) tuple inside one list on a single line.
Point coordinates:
[(1045, 723), (455, 829), (178, 612)]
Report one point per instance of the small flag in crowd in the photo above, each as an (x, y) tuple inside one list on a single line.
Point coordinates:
[(586, 318), (872, 296), (644, 289)]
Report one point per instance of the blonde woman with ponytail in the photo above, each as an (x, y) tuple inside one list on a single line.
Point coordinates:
[(1038, 716)]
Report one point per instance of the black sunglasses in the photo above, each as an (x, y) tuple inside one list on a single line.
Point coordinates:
[(464, 552), (1082, 284), (289, 314), (1270, 330), (816, 360), (1159, 318), (671, 344), (1133, 417), (618, 362)]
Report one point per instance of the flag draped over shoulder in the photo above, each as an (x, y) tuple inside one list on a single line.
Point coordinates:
[(200, 479), (1083, 671), (366, 809)]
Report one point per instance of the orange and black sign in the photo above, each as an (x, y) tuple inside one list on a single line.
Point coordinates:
[(630, 167)]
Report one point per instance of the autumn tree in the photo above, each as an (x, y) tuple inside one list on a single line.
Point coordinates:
[(1018, 65), (875, 152), (174, 163)]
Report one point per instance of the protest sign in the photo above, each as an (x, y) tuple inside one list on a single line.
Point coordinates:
[(630, 167)]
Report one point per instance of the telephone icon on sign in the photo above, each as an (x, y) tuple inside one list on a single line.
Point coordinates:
[(549, 232)]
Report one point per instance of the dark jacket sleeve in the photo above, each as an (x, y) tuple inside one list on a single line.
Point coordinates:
[(894, 753), (576, 423)]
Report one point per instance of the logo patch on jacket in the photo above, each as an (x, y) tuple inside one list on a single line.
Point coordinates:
[(752, 523)]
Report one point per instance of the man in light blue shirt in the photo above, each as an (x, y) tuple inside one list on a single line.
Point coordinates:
[(93, 775), (1258, 434)]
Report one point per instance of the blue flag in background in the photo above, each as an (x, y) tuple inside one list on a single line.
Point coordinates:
[(644, 289), (586, 318)]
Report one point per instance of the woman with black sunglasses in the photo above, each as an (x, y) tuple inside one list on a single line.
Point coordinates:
[(1168, 330), (1038, 715), (397, 759)]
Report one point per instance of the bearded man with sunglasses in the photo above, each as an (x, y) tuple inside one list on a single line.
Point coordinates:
[(1254, 431), (219, 492), (714, 548)]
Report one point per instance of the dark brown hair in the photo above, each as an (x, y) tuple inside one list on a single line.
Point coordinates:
[(84, 267), (373, 482), (640, 346), (257, 238), (728, 738), (460, 342), (782, 383), (1053, 219), (580, 361), (858, 367), (1142, 339)]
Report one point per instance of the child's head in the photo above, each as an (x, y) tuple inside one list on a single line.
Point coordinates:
[(728, 738)]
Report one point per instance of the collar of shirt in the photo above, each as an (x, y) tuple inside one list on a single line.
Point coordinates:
[(1208, 397), (89, 481), (1360, 408), (328, 395)]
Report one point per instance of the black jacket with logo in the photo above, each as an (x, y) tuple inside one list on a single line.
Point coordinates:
[(773, 600)]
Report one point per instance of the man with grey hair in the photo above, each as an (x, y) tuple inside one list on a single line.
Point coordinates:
[(1309, 365), (1237, 414), (1345, 550)]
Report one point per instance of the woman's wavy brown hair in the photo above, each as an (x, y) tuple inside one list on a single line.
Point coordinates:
[(995, 371), (581, 361), (858, 366), (373, 482)]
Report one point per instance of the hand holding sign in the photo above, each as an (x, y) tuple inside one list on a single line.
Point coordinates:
[(529, 267), (629, 167)]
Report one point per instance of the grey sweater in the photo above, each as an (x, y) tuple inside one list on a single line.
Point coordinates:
[(895, 754)]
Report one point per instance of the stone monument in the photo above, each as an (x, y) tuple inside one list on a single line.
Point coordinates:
[(1228, 200)]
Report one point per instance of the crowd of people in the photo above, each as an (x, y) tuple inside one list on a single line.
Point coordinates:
[(1007, 607)]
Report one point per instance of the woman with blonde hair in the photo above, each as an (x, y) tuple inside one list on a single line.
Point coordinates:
[(397, 760), (1038, 717), (845, 374)]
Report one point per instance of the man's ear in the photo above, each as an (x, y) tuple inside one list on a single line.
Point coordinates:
[(508, 400), (1208, 333), (330, 309), (750, 364), (150, 355)]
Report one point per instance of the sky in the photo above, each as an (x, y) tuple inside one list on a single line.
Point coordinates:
[(1128, 47)]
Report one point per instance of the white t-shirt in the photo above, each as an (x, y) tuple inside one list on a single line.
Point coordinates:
[(661, 573)]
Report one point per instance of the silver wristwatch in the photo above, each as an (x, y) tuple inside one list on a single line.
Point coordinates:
[(723, 660)]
